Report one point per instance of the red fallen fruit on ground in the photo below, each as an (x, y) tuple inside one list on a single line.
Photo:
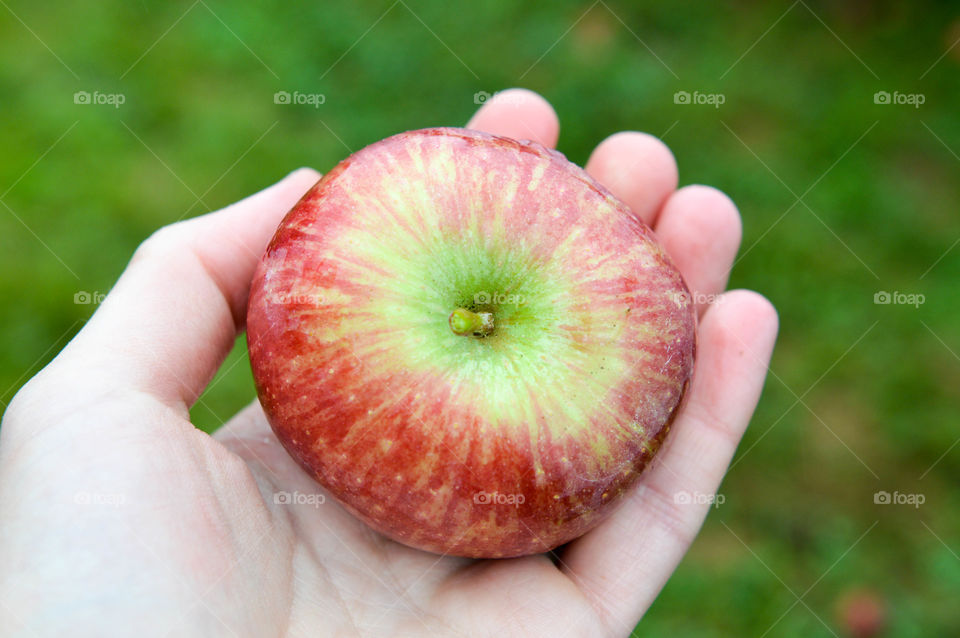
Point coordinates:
[(862, 613), (469, 342)]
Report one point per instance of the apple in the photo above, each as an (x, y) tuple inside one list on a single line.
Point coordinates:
[(470, 343), (862, 613)]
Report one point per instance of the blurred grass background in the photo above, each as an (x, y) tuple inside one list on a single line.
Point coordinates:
[(861, 397)]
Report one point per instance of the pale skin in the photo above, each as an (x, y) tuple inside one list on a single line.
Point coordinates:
[(119, 518)]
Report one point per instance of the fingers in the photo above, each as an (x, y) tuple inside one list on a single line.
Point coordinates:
[(638, 169), (622, 565), (700, 229), (174, 313), (697, 225), (520, 114)]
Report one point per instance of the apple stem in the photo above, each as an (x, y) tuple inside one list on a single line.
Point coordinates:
[(466, 323)]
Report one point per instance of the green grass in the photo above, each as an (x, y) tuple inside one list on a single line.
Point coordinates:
[(862, 397)]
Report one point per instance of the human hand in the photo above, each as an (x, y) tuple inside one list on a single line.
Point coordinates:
[(119, 517)]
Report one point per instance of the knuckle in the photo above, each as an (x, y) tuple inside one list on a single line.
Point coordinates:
[(710, 422), (678, 522), (161, 243), (18, 405)]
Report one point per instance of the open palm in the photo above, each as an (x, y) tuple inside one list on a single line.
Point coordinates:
[(119, 518)]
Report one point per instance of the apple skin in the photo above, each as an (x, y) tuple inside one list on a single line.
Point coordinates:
[(490, 447)]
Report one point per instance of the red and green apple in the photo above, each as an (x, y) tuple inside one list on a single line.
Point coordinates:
[(469, 342)]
